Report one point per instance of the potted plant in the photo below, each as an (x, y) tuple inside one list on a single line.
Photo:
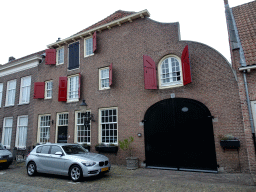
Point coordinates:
[(106, 148), (229, 142), (131, 162)]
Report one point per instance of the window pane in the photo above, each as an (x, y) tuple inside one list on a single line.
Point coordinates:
[(83, 132), (89, 46), (170, 72), (108, 125), (45, 149)]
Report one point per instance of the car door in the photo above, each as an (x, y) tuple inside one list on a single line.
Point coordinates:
[(56, 162), (43, 159)]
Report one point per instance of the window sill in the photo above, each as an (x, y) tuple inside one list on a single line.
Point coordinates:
[(23, 104), (72, 101), (106, 88), (74, 68), (9, 106), (48, 98), (170, 86), (88, 55)]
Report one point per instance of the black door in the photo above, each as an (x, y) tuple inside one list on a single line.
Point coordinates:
[(62, 134), (179, 135)]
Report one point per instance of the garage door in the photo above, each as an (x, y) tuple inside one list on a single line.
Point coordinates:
[(179, 135)]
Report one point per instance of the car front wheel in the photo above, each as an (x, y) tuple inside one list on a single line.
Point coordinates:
[(76, 173), (31, 169)]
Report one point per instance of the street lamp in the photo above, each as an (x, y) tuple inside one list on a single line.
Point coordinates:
[(85, 115)]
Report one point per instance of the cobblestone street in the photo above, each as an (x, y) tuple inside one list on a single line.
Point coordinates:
[(120, 179)]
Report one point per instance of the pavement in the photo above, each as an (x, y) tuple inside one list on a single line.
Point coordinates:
[(120, 179)]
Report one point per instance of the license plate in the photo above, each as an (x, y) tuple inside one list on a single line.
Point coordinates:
[(3, 161), (104, 169)]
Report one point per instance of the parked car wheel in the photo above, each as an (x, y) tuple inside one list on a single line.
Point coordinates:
[(76, 173), (31, 169)]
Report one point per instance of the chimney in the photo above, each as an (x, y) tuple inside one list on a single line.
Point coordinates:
[(11, 58), (225, 2), (58, 39)]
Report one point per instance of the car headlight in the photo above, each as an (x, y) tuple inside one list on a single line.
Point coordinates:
[(88, 163), (10, 155)]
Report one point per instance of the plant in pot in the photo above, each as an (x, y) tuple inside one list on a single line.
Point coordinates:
[(132, 162), (228, 141), (106, 148)]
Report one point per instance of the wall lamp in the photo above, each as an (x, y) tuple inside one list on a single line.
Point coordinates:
[(85, 115)]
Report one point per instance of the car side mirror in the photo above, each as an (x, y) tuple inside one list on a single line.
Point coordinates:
[(59, 153)]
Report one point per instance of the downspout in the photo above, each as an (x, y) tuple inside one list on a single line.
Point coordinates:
[(243, 64)]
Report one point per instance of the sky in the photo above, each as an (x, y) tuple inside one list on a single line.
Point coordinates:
[(28, 26)]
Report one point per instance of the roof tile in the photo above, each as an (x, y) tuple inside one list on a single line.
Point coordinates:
[(245, 17)]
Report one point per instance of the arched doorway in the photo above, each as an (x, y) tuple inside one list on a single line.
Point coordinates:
[(179, 135)]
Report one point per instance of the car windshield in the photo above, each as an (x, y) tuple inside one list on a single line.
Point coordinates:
[(1, 146), (74, 149)]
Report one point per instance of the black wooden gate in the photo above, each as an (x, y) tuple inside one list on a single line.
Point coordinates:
[(179, 135)]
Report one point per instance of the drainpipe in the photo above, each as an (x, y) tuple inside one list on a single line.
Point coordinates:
[(236, 44)]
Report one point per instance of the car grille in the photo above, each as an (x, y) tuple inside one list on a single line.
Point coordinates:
[(103, 163), (5, 156)]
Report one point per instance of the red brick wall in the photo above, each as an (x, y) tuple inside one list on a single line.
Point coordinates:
[(18, 110)]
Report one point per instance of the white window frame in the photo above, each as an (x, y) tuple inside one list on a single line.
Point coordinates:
[(46, 126), (18, 143), (1, 93), (88, 50), (25, 88), (101, 123), (74, 99), (48, 89), (8, 145), (59, 54), (170, 84), (58, 123), (8, 91), (80, 122), (101, 79)]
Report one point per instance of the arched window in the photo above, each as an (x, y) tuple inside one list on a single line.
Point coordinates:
[(170, 72)]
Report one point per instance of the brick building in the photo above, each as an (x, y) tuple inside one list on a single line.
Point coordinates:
[(241, 22), (16, 100), (140, 79)]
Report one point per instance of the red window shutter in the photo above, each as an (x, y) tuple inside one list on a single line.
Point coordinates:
[(50, 58), (186, 66), (63, 88), (150, 81), (94, 42), (39, 90), (110, 74), (79, 85)]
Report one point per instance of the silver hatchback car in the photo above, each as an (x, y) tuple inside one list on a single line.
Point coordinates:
[(66, 159)]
